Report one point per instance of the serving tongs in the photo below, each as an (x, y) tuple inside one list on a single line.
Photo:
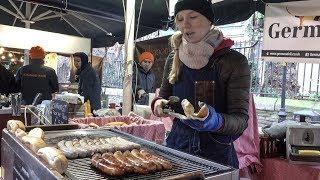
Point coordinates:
[(169, 110)]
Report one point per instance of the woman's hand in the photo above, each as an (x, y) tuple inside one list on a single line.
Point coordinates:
[(158, 107), (207, 119)]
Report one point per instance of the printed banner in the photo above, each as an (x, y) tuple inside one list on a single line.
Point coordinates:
[(292, 32)]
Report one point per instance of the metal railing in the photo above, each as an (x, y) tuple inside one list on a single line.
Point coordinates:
[(303, 79)]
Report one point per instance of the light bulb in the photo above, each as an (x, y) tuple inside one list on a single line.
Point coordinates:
[(3, 57), (10, 54), (12, 60)]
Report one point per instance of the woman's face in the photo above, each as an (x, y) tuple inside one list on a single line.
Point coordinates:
[(193, 25), (77, 62)]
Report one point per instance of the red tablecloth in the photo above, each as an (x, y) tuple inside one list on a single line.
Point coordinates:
[(281, 169)]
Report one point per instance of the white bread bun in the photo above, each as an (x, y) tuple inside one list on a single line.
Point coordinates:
[(55, 158), (13, 125), (187, 107), (33, 143), (36, 132), (20, 133)]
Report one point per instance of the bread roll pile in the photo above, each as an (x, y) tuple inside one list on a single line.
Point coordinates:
[(35, 141)]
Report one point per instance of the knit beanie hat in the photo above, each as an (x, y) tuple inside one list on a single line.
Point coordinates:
[(37, 52), (203, 7), (146, 56)]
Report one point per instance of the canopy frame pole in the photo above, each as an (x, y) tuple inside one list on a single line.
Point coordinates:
[(49, 17), (33, 10), (129, 56), (15, 18), (72, 25), (90, 22), (282, 112), (17, 9), (10, 12), (27, 25), (41, 15)]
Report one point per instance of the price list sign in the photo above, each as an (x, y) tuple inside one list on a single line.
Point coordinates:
[(60, 112)]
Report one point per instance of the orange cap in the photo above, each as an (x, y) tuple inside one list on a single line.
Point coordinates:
[(37, 52), (146, 56)]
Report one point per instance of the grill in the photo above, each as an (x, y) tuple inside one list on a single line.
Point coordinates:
[(81, 169)]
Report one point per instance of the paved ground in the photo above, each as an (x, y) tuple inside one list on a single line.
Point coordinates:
[(266, 117)]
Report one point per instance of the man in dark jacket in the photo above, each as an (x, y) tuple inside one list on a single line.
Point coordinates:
[(7, 81), (36, 78), (89, 83), (143, 81)]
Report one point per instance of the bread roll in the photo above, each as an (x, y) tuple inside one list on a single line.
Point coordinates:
[(33, 143), (36, 132), (55, 158), (13, 125), (203, 113), (187, 107), (20, 133)]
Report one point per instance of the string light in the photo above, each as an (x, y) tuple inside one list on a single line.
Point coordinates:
[(3, 57), (10, 55), (12, 60)]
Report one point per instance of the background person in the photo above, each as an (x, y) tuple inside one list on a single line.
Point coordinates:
[(143, 80), (89, 83), (36, 78)]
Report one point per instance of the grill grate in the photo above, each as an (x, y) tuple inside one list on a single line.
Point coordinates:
[(81, 168)]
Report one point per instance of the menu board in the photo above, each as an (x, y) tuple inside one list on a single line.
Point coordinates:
[(60, 112)]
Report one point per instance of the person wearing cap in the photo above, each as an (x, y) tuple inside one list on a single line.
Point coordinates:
[(202, 54), (143, 80), (7, 81), (89, 83), (36, 78)]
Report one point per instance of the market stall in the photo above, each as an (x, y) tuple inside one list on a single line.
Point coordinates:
[(29, 155)]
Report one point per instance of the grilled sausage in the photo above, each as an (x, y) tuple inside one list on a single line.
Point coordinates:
[(164, 163), (96, 158), (129, 167), (68, 151), (106, 168), (81, 152), (131, 145), (85, 146), (106, 146), (114, 142), (136, 161), (152, 165), (111, 159)]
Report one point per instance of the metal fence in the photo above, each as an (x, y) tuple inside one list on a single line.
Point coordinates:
[(303, 79)]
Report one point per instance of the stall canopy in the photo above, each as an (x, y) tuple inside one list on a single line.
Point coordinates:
[(232, 11), (100, 20), (103, 20)]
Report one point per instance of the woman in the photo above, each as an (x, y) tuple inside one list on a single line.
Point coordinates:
[(89, 83), (202, 54)]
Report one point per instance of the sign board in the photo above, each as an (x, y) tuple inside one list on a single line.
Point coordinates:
[(292, 32), (60, 112), (23, 38)]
